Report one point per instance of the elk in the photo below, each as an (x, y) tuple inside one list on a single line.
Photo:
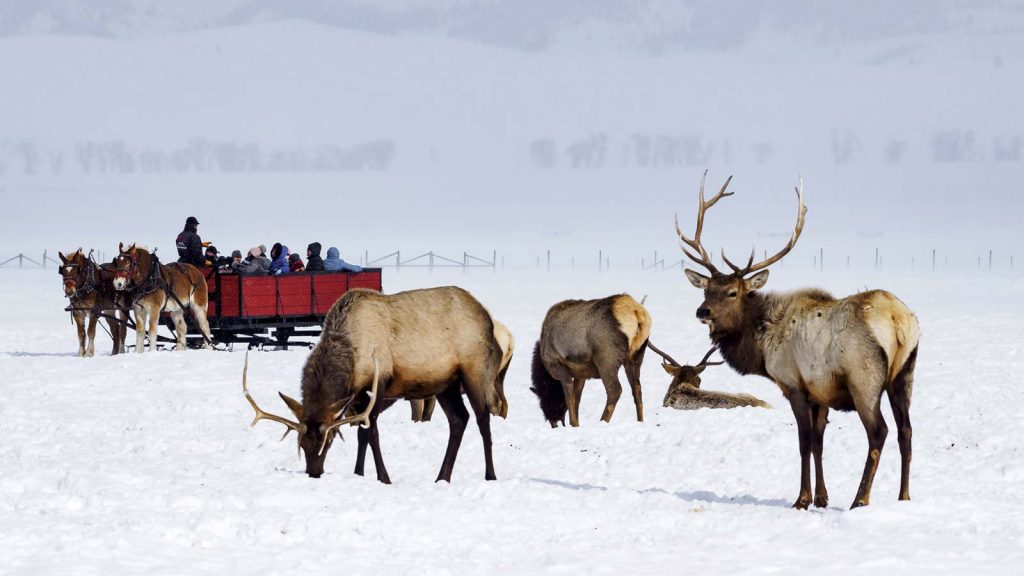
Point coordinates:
[(416, 344), (583, 339), (822, 352), (685, 393), (423, 410)]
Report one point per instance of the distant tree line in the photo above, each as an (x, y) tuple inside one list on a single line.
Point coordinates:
[(199, 155)]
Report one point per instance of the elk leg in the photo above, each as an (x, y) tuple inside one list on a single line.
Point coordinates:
[(455, 409), (428, 408), (363, 437), (802, 413), (577, 393), (819, 418), (374, 438), (416, 409), (633, 376), (610, 377), (501, 409), (478, 402), (569, 389), (80, 326), (874, 425), (899, 399)]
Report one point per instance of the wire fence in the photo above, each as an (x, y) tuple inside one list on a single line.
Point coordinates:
[(601, 261)]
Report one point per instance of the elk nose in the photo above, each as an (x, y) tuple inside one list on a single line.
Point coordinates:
[(703, 312)]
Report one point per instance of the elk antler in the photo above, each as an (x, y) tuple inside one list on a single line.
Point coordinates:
[(363, 417), (801, 212), (300, 429), (704, 361), (667, 358), (703, 259)]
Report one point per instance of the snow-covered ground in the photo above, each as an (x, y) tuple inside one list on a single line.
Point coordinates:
[(147, 464)]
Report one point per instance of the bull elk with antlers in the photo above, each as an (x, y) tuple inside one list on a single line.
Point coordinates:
[(377, 348), (822, 352)]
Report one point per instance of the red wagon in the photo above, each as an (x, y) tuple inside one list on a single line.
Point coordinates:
[(258, 310)]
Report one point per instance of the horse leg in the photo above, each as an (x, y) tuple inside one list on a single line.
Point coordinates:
[(180, 329), (124, 330), (141, 319), (199, 312), (154, 325), (115, 334), (80, 326), (91, 335)]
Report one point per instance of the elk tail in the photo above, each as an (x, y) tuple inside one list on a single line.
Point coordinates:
[(634, 322), (548, 390)]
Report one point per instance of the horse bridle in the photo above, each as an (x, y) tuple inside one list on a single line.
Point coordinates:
[(122, 273), (72, 279)]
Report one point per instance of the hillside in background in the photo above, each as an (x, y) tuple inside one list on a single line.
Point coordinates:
[(900, 116)]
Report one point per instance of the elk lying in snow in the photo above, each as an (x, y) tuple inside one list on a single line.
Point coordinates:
[(685, 393), (583, 339), (423, 410), (417, 344), (822, 352)]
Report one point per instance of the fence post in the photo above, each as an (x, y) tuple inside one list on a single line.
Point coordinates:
[(821, 258), (600, 260), (398, 259), (989, 259), (494, 261), (549, 261), (44, 259), (877, 259)]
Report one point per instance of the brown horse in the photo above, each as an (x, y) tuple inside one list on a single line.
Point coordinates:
[(90, 291), (154, 287)]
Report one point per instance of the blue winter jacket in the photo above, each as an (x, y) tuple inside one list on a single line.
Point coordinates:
[(280, 264), (334, 263)]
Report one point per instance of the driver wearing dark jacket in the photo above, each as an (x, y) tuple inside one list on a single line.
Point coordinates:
[(190, 246)]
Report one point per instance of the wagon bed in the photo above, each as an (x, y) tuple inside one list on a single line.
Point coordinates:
[(258, 310)]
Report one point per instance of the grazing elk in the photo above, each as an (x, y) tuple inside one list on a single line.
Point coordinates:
[(154, 287), (685, 393), (583, 339), (423, 410), (90, 292), (420, 343), (822, 352)]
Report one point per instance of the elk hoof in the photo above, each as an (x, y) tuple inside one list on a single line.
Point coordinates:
[(802, 503), (821, 501), (858, 504)]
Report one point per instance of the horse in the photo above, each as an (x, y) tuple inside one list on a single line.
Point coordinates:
[(154, 287), (90, 291)]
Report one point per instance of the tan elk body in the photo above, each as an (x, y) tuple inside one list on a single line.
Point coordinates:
[(423, 410), (584, 339), (822, 352), (417, 344)]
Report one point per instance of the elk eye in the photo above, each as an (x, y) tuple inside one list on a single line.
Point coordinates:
[(732, 294)]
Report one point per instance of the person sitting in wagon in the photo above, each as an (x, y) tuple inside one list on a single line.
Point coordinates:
[(295, 263), (314, 263), (255, 264), (334, 263), (279, 259)]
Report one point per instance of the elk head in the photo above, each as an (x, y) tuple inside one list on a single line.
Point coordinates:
[(682, 375), (315, 432), (727, 296)]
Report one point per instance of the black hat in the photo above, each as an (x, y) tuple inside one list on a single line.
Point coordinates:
[(236, 253), (191, 221), (212, 248)]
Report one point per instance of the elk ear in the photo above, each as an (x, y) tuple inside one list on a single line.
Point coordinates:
[(672, 370), (756, 281), (294, 405), (698, 280)]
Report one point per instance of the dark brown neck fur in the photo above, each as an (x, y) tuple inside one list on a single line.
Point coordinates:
[(327, 375), (741, 348)]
